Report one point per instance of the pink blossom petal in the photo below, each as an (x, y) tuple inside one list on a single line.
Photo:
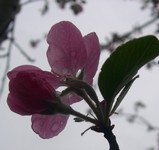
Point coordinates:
[(48, 126), (93, 54), (29, 94), (13, 73), (35, 71), (16, 107), (30, 91), (72, 98), (66, 53)]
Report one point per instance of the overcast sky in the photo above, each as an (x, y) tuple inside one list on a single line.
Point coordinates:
[(102, 17)]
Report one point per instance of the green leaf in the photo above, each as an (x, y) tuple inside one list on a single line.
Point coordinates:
[(123, 94), (124, 63)]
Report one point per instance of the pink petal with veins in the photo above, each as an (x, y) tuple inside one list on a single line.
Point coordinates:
[(90, 68), (93, 54), (66, 53), (48, 126)]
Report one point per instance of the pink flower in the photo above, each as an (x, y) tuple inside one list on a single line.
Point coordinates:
[(32, 93), (69, 53), (31, 89)]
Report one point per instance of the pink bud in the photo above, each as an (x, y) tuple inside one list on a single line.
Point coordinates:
[(31, 90)]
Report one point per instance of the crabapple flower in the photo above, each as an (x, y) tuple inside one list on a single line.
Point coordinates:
[(32, 93), (32, 90), (70, 53)]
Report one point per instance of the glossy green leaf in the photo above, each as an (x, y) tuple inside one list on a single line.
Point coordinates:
[(124, 63)]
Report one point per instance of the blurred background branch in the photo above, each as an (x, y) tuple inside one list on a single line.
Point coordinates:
[(135, 117)]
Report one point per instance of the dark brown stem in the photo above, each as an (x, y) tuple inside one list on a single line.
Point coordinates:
[(108, 134)]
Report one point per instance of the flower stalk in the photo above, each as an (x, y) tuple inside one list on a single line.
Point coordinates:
[(65, 109), (89, 95)]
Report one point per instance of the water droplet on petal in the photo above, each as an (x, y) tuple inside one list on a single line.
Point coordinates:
[(61, 123), (55, 127)]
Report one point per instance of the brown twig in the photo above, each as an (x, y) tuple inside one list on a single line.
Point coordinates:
[(8, 58), (121, 38)]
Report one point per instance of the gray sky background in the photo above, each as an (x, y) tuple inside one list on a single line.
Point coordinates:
[(103, 18)]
